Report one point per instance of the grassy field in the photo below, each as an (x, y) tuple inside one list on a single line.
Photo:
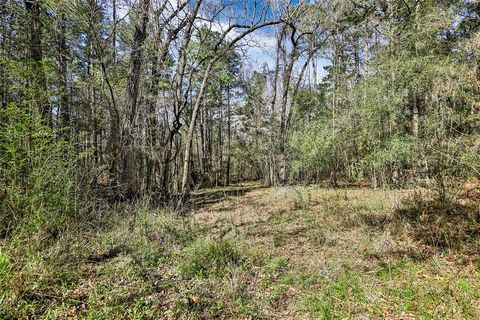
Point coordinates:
[(247, 252)]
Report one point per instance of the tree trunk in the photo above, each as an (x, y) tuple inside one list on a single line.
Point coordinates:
[(179, 100), (114, 32), (62, 59), (229, 138), (152, 123), (33, 8), (218, 171), (188, 142), (129, 170), (283, 115), (3, 48), (276, 71)]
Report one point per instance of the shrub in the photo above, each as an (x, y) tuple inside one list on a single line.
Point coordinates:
[(302, 199), (440, 223), (36, 174)]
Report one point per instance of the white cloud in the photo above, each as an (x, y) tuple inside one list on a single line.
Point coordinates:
[(259, 48)]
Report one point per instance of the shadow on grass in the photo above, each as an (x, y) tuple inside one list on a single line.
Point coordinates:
[(434, 227), (441, 224), (207, 197)]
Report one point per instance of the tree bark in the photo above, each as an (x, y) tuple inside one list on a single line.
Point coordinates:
[(3, 63), (114, 31), (229, 138), (62, 59), (129, 176), (188, 142), (34, 9)]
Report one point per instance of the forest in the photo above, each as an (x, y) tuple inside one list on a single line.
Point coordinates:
[(240, 159)]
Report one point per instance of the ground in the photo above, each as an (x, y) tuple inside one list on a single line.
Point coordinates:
[(248, 252)]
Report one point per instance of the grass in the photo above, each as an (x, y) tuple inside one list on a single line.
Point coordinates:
[(336, 299), (205, 259), (275, 253)]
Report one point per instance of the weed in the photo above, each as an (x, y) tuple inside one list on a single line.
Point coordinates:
[(207, 258), (277, 238), (335, 298), (349, 221), (280, 219), (395, 269), (318, 307), (316, 236), (216, 280), (440, 224), (4, 267), (276, 265), (302, 198)]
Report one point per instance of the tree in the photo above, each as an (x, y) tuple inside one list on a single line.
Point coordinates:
[(39, 84), (129, 162)]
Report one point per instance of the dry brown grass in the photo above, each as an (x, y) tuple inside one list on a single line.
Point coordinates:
[(326, 234), (248, 252)]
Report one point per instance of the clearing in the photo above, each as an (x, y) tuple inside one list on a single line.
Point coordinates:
[(247, 252)]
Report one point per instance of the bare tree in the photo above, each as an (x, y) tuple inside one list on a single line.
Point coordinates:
[(219, 52)]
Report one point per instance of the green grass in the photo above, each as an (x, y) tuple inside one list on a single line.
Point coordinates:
[(396, 269), (333, 298), (317, 236), (215, 278), (210, 258), (281, 219), (4, 266), (333, 258)]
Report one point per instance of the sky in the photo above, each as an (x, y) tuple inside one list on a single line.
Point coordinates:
[(258, 48)]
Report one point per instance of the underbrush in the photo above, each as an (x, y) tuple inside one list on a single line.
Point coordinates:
[(36, 177), (334, 299), (442, 224), (135, 266), (205, 259), (215, 279), (41, 275), (323, 254)]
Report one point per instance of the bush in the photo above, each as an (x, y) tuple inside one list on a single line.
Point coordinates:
[(441, 223), (302, 199), (36, 174)]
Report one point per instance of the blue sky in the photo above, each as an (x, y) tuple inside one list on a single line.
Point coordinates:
[(259, 47)]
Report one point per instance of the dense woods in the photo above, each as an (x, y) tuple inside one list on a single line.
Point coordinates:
[(154, 98), (105, 102)]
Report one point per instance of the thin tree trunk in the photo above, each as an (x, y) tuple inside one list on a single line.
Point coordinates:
[(179, 101), (188, 142), (229, 137), (277, 71), (152, 123), (3, 48), (283, 115), (218, 171), (33, 8), (114, 31), (62, 57), (91, 92)]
